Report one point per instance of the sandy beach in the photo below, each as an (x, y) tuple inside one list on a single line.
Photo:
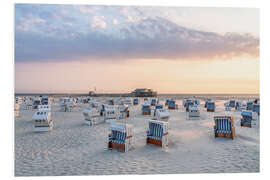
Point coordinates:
[(73, 148)]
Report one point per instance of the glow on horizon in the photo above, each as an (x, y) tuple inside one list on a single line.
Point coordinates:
[(238, 76)]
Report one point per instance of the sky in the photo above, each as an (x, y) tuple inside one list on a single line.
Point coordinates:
[(116, 49)]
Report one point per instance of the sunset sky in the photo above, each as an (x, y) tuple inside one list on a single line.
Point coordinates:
[(76, 48)]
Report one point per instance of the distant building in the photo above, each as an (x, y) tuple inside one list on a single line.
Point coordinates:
[(144, 93), (92, 93)]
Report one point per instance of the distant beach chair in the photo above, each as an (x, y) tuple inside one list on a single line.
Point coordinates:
[(246, 120), (66, 104), (110, 101), (193, 112), (109, 113), (124, 111), (211, 106), (172, 105), (162, 115), (256, 108), (167, 102), (206, 102), (157, 133), (42, 121), (154, 101), (92, 116), (232, 103), (240, 105), (158, 106), (36, 102), (135, 101), (44, 108), (120, 137), (227, 106), (250, 105), (224, 126), (146, 109)]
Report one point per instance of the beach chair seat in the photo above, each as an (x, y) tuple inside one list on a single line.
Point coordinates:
[(157, 133), (224, 126), (120, 137)]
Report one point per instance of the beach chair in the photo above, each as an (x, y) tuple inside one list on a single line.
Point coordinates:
[(66, 104), (172, 105), (92, 116), (154, 101), (246, 120), (162, 115), (249, 105), (42, 121), (146, 109), (211, 106), (109, 112), (135, 101), (206, 102), (167, 102), (188, 105), (44, 108), (157, 133), (158, 106), (240, 105), (256, 108), (120, 137), (124, 111), (193, 113), (36, 102), (224, 126), (232, 103), (227, 106)]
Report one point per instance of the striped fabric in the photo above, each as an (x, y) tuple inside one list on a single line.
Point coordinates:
[(223, 125), (118, 137), (155, 131)]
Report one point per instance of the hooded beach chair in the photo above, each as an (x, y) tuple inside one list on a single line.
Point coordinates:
[(250, 105), (227, 106), (232, 103), (246, 119), (157, 133), (211, 106), (193, 112), (135, 101), (162, 115), (154, 101), (42, 121), (92, 116), (172, 105), (158, 106), (256, 108), (124, 111), (224, 126), (120, 137), (146, 109), (206, 102)]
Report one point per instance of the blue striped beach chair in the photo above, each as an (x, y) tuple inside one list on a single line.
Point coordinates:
[(224, 126), (256, 108), (211, 106), (157, 133), (246, 119), (120, 137)]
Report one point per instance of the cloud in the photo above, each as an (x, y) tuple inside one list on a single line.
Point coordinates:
[(149, 38), (98, 22)]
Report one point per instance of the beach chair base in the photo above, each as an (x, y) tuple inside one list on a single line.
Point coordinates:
[(246, 125), (43, 129), (171, 108), (210, 110), (146, 113), (225, 135), (154, 141)]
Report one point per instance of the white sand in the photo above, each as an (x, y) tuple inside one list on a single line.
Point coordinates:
[(73, 148)]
